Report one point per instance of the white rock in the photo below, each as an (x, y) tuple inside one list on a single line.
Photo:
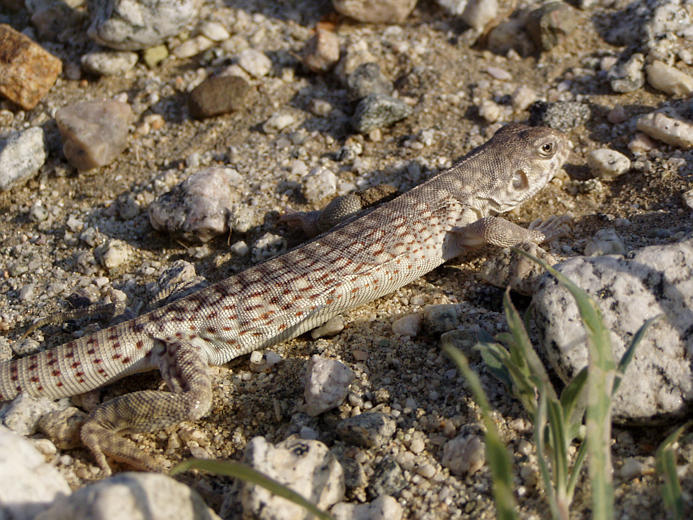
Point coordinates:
[(331, 327), (132, 496), (23, 414), (28, 485), (114, 253), (651, 281), (641, 143), (633, 467), (254, 62), (688, 198), (381, 11), (464, 454), (319, 184), (667, 126), (306, 466), (523, 97), (382, 508), (267, 246), (607, 164), (214, 31), (109, 63), (480, 12), (192, 47), (278, 122), (669, 79), (21, 156), (490, 110), (605, 242), (326, 384), (453, 6)]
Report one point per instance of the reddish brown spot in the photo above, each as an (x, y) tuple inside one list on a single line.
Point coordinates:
[(113, 337), (34, 379), (329, 301), (76, 364), (33, 366), (355, 289), (254, 308), (91, 351), (266, 315), (139, 344), (101, 371), (212, 315), (116, 345), (59, 384), (14, 376), (287, 291), (211, 330), (233, 317), (179, 335), (227, 328), (256, 334), (117, 356), (228, 307), (70, 354), (39, 388), (55, 373), (126, 360), (299, 313), (52, 362), (97, 361), (281, 326), (91, 341)]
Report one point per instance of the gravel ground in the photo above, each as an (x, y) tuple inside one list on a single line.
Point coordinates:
[(47, 255)]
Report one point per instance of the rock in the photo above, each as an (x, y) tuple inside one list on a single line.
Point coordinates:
[(605, 242), (508, 268), (155, 55), (550, 23), (56, 20), (366, 79), (331, 327), (27, 71), (367, 430), (688, 199), (109, 63), (378, 110), (199, 208), (131, 495), (306, 466), (278, 122), (465, 454), (214, 31), (408, 325), (113, 254), (478, 13), (455, 7), (651, 281), (607, 164), (375, 11), (23, 413), (267, 246), (220, 95), (28, 485), (254, 62), (21, 156), (669, 79), (382, 508), (667, 126), (490, 110), (441, 318), (628, 76), (641, 144), (326, 384), (131, 25), (321, 53), (264, 361), (94, 132), (319, 185), (510, 35), (523, 97), (562, 115), (192, 47), (388, 479)]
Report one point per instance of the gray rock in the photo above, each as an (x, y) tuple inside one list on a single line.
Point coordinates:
[(377, 111), (113, 253), (407, 325), (550, 23), (654, 280), (199, 208), (366, 80), (23, 413), (331, 327), (319, 184), (28, 485), (267, 246), (667, 126), (629, 75), (562, 115), (192, 47), (21, 156), (255, 62), (442, 317), (382, 11), (132, 25), (367, 430), (63, 427), (94, 132), (306, 466), (220, 95), (131, 495), (508, 268), (388, 479), (326, 384), (382, 508), (109, 63)]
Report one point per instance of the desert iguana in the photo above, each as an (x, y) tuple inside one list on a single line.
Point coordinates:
[(354, 263)]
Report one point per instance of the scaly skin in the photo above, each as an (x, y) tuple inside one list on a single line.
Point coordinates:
[(353, 264)]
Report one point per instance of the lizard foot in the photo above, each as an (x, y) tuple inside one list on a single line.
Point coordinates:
[(552, 227)]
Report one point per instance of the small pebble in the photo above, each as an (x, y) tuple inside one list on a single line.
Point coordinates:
[(641, 143), (605, 242), (378, 110), (220, 95), (321, 53), (113, 254), (607, 164), (367, 430), (326, 385), (382, 11), (366, 80), (21, 156), (254, 62), (669, 79), (267, 246), (628, 76), (109, 63), (408, 325), (382, 508), (490, 110), (523, 97), (667, 126), (464, 454), (319, 184), (152, 56), (214, 31), (331, 327), (192, 47), (278, 122), (478, 13)]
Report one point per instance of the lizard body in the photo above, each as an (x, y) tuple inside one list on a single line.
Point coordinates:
[(356, 262)]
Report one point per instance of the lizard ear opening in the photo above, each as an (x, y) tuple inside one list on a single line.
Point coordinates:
[(519, 181)]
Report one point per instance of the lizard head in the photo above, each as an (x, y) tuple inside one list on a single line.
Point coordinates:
[(533, 155)]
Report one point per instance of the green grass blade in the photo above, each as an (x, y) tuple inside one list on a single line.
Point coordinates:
[(559, 447), (248, 474), (666, 467), (496, 453), (599, 384), (540, 427), (572, 402), (630, 352), (575, 471)]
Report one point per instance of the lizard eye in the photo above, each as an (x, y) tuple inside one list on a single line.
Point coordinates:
[(520, 181), (547, 149)]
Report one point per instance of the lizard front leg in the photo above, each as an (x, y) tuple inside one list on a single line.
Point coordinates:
[(186, 372), (503, 233)]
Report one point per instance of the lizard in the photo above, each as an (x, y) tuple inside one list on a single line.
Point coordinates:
[(359, 260)]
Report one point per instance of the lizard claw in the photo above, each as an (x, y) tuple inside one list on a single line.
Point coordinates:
[(552, 227)]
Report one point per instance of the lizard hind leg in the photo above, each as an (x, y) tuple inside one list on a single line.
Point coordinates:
[(186, 372)]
